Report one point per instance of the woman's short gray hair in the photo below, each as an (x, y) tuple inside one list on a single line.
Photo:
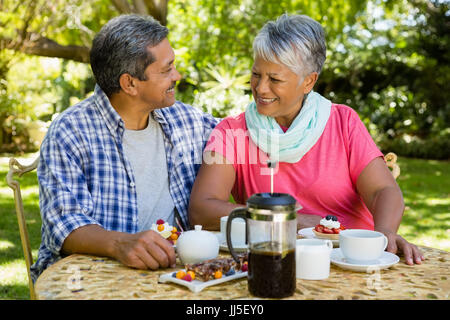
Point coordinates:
[(297, 41), (121, 47)]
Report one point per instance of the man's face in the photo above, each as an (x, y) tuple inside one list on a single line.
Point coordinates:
[(158, 91)]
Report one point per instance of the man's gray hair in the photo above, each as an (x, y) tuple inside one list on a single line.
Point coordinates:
[(296, 41), (121, 47)]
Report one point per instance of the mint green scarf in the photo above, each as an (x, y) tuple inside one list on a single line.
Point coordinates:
[(305, 130)]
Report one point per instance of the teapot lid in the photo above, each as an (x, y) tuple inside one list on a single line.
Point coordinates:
[(269, 200)]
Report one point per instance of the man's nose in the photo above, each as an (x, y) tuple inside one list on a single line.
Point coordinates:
[(176, 75)]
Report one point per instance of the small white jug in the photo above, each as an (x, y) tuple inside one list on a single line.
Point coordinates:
[(312, 259)]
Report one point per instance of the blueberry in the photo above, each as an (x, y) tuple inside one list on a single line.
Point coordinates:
[(230, 272), (331, 217)]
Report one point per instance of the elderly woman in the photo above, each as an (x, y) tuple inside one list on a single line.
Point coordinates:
[(323, 154)]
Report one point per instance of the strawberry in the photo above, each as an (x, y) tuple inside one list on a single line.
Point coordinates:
[(335, 230), (327, 230), (319, 228), (160, 221)]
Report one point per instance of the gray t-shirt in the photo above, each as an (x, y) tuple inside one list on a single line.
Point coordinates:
[(146, 153)]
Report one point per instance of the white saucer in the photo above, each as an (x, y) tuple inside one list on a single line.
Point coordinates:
[(224, 246), (240, 248), (309, 234), (386, 260)]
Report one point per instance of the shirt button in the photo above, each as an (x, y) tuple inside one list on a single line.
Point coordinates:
[(85, 210), (132, 184)]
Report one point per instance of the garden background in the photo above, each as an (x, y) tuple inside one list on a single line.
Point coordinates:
[(387, 59)]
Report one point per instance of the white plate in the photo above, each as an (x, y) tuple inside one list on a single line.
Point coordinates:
[(197, 285), (309, 234), (386, 260)]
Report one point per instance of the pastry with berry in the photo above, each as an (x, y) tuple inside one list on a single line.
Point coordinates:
[(328, 228), (167, 231)]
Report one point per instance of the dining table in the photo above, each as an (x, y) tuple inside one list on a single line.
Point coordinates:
[(87, 277)]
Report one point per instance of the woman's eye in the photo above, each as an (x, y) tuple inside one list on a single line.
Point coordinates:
[(254, 74), (275, 80), (167, 71)]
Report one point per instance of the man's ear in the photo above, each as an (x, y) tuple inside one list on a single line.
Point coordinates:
[(128, 84), (310, 81)]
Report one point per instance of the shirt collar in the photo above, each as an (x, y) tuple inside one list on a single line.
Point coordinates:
[(112, 119)]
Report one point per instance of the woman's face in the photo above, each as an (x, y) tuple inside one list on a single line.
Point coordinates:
[(277, 91)]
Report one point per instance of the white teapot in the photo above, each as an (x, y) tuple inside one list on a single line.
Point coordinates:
[(197, 245)]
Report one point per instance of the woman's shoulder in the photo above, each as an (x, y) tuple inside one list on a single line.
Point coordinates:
[(233, 122), (344, 113)]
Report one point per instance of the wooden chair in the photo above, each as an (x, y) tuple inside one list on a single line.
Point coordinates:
[(391, 161), (15, 168)]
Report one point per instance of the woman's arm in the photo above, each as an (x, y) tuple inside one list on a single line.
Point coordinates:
[(383, 197), (211, 192)]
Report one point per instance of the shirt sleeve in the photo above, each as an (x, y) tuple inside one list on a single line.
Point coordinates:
[(362, 148), (64, 199), (221, 142)]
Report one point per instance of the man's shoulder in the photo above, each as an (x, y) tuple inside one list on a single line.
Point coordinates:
[(75, 116)]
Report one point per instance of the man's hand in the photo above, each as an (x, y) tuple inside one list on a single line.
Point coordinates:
[(410, 251), (144, 250)]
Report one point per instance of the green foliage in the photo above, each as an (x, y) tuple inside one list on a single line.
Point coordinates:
[(392, 66), (220, 33)]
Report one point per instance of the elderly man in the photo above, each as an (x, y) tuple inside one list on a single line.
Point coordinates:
[(115, 163)]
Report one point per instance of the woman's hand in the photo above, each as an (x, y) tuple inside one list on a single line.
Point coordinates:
[(410, 251)]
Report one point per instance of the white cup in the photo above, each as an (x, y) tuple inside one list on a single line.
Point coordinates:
[(360, 246), (237, 231), (312, 259)]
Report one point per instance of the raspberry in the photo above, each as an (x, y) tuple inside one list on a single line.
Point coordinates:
[(244, 267), (160, 221), (187, 277)]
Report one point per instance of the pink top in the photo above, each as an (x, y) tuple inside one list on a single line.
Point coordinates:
[(323, 181)]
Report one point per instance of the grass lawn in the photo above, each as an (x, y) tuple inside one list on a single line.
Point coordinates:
[(425, 185)]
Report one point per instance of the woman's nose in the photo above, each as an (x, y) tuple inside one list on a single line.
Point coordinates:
[(262, 87)]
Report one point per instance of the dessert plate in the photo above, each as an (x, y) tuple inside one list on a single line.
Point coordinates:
[(197, 285), (309, 234), (386, 260)]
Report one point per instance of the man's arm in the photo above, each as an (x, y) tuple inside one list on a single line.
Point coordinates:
[(144, 250)]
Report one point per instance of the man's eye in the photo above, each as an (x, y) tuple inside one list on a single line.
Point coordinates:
[(168, 70), (274, 80), (254, 74)]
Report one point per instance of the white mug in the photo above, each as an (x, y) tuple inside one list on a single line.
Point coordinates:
[(312, 259), (362, 246), (237, 231)]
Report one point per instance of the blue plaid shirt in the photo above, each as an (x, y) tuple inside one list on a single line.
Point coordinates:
[(85, 178)]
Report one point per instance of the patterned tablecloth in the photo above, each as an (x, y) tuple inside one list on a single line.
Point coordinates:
[(90, 277)]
